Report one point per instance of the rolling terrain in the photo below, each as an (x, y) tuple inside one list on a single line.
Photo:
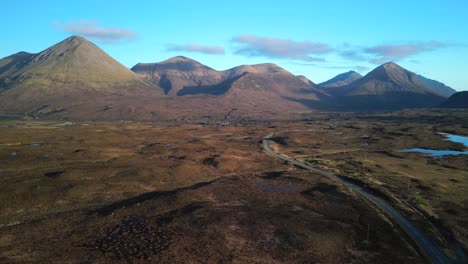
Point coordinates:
[(149, 193)]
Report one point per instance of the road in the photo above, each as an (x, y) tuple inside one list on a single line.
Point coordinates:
[(426, 246)]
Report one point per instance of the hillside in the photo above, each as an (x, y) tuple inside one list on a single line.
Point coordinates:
[(438, 87), (176, 73), (457, 100), (68, 74), (387, 87)]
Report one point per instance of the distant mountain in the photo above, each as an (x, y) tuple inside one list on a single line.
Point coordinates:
[(252, 90), (457, 100), (176, 73), (341, 80), (437, 86), (387, 87), (71, 72), (268, 88)]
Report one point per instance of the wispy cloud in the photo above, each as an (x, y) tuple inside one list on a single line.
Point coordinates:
[(94, 31), (196, 48), (354, 67), (353, 55), (361, 68), (357, 68), (303, 63), (254, 46), (384, 53)]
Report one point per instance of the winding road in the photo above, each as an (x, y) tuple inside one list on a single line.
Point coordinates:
[(426, 246)]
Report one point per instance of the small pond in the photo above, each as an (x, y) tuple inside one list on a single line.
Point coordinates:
[(441, 153)]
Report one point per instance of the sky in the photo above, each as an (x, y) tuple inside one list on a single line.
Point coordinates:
[(318, 39)]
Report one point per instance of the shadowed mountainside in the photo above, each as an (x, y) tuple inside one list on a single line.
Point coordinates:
[(176, 73), (258, 91), (457, 100), (438, 87), (387, 87)]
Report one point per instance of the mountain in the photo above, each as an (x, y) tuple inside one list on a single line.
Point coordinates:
[(437, 86), (387, 87), (11, 64), (457, 100), (253, 91), (267, 89), (176, 73), (341, 80), (67, 74)]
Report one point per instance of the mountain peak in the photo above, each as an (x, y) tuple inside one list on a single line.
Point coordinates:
[(69, 49), (262, 68), (389, 86), (180, 59), (179, 63), (76, 37), (391, 71), (342, 79), (74, 40), (18, 55), (22, 53), (389, 78), (391, 65)]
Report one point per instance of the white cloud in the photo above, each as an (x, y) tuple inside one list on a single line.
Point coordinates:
[(254, 46), (94, 31)]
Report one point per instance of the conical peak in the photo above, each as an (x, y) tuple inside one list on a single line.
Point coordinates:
[(180, 59)]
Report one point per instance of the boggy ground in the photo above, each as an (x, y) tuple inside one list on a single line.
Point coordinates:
[(149, 193), (365, 147)]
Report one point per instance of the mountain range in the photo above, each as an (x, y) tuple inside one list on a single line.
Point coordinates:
[(75, 79)]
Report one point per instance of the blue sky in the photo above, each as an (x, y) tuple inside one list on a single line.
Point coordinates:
[(318, 39)]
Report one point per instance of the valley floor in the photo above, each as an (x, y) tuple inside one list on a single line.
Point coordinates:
[(145, 193)]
